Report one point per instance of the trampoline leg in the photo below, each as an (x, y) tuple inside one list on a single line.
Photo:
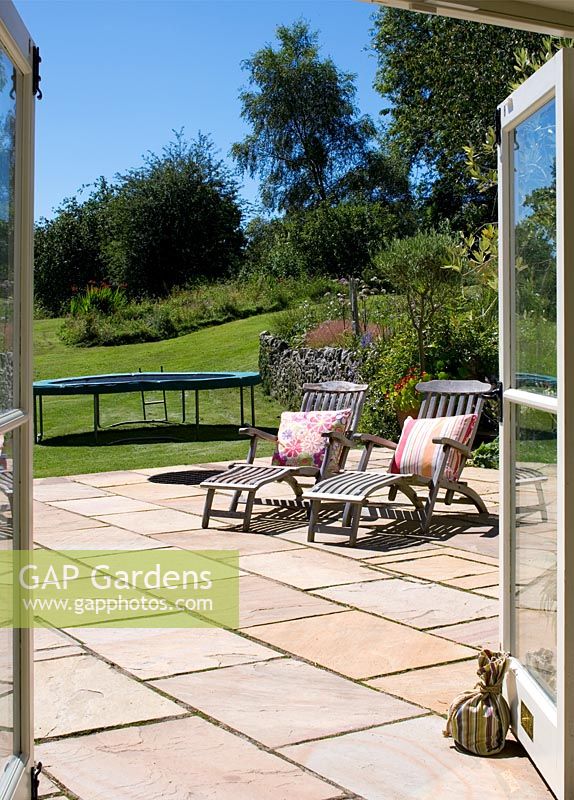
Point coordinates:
[(96, 415), (253, 406), (241, 406), (183, 405), (197, 413), (38, 435)]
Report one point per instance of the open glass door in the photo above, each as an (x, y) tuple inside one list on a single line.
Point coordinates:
[(17, 61), (536, 200)]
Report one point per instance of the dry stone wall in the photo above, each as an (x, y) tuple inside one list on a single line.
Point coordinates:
[(284, 369)]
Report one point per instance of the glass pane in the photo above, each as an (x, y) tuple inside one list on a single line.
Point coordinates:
[(535, 251), (534, 546), (7, 633), (7, 172)]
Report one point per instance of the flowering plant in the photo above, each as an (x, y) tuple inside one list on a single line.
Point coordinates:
[(403, 394)]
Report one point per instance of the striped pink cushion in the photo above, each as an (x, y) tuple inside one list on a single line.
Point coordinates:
[(416, 454)]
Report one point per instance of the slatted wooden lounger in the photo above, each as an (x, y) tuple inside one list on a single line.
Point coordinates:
[(244, 480), (352, 490)]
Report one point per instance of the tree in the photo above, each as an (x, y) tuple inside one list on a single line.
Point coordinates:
[(68, 250), (444, 79), (175, 220), (169, 223), (414, 267), (306, 133), (338, 241)]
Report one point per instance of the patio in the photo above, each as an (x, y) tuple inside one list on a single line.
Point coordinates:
[(335, 686)]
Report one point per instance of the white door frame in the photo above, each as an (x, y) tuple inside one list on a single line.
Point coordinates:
[(552, 748), (18, 46)]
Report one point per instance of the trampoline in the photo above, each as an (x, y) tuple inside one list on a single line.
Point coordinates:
[(142, 382)]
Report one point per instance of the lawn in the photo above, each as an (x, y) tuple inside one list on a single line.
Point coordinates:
[(68, 447)]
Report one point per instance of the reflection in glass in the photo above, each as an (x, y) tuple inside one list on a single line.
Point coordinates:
[(6, 615), (534, 547), (535, 251), (7, 174)]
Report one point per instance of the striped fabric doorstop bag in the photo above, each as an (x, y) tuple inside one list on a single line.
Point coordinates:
[(478, 719)]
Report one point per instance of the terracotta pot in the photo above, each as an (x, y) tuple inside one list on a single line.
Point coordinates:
[(402, 415)]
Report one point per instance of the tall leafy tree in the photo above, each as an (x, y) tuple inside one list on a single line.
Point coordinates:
[(69, 249), (175, 220), (443, 79), (306, 131)]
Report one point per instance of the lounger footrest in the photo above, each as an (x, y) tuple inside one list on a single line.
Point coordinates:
[(352, 487), (246, 477)]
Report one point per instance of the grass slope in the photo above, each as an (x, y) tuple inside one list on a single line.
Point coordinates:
[(68, 447)]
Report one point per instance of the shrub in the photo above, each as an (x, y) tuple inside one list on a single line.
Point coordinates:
[(103, 299), (486, 455), (415, 269), (68, 250), (463, 345), (326, 240), (100, 323)]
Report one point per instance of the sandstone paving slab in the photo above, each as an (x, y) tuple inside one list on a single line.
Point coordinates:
[(262, 601), (245, 543), (411, 760), (185, 759), (59, 652), (107, 538), (54, 479), (481, 633), (308, 568), (488, 579), (435, 687), (472, 474), (282, 701), (368, 548), (150, 522), (440, 568), (47, 787), (489, 591), (49, 518), (50, 638), (111, 479), (477, 539), (359, 645), (425, 550), (49, 492), (152, 492), (422, 605), (77, 694), (174, 468), (110, 504), (156, 652), (194, 505)]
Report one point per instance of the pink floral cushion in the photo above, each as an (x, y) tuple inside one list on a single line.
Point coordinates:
[(416, 454), (300, 442)]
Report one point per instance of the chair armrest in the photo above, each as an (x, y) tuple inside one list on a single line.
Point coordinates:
[(259, 434), (335, 436), (376, 440), (446, 442)]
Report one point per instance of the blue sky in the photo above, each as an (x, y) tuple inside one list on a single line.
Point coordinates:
[(119, 76)]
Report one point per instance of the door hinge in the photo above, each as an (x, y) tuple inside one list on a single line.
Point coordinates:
[(36, 770), (498, 127), (497, 392), (36, 59)]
